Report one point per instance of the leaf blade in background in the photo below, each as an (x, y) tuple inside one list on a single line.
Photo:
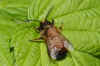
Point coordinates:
[(80, 19), (10, 16)]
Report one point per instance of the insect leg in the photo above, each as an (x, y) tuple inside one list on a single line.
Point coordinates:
[(40, 39), (37, 29), (52, 22), (27, 20), (30, 20), (61, 26)]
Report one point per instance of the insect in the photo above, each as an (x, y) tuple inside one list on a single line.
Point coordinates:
[(57, 45)]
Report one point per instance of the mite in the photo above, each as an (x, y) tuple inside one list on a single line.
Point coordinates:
[(58, 46)]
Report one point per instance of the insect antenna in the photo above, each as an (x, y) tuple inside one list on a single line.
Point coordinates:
[(49, 11), (30, 20)]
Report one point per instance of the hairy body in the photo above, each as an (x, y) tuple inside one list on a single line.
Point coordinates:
[(56, 43)]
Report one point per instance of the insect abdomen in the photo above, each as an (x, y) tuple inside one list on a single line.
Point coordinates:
[(55, 43)]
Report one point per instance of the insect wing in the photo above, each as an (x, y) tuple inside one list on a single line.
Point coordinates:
[(68, 45)]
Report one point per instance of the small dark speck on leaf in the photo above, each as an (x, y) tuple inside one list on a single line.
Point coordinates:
[(11, 49)]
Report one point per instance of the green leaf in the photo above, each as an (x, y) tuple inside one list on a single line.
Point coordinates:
[(14, 3), (80, 19), (12, 14)]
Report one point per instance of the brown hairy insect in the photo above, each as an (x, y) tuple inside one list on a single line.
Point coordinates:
[(56, 43), (58, 46)]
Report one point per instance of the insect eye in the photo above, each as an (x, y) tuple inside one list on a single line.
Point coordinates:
[(47, 23)]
